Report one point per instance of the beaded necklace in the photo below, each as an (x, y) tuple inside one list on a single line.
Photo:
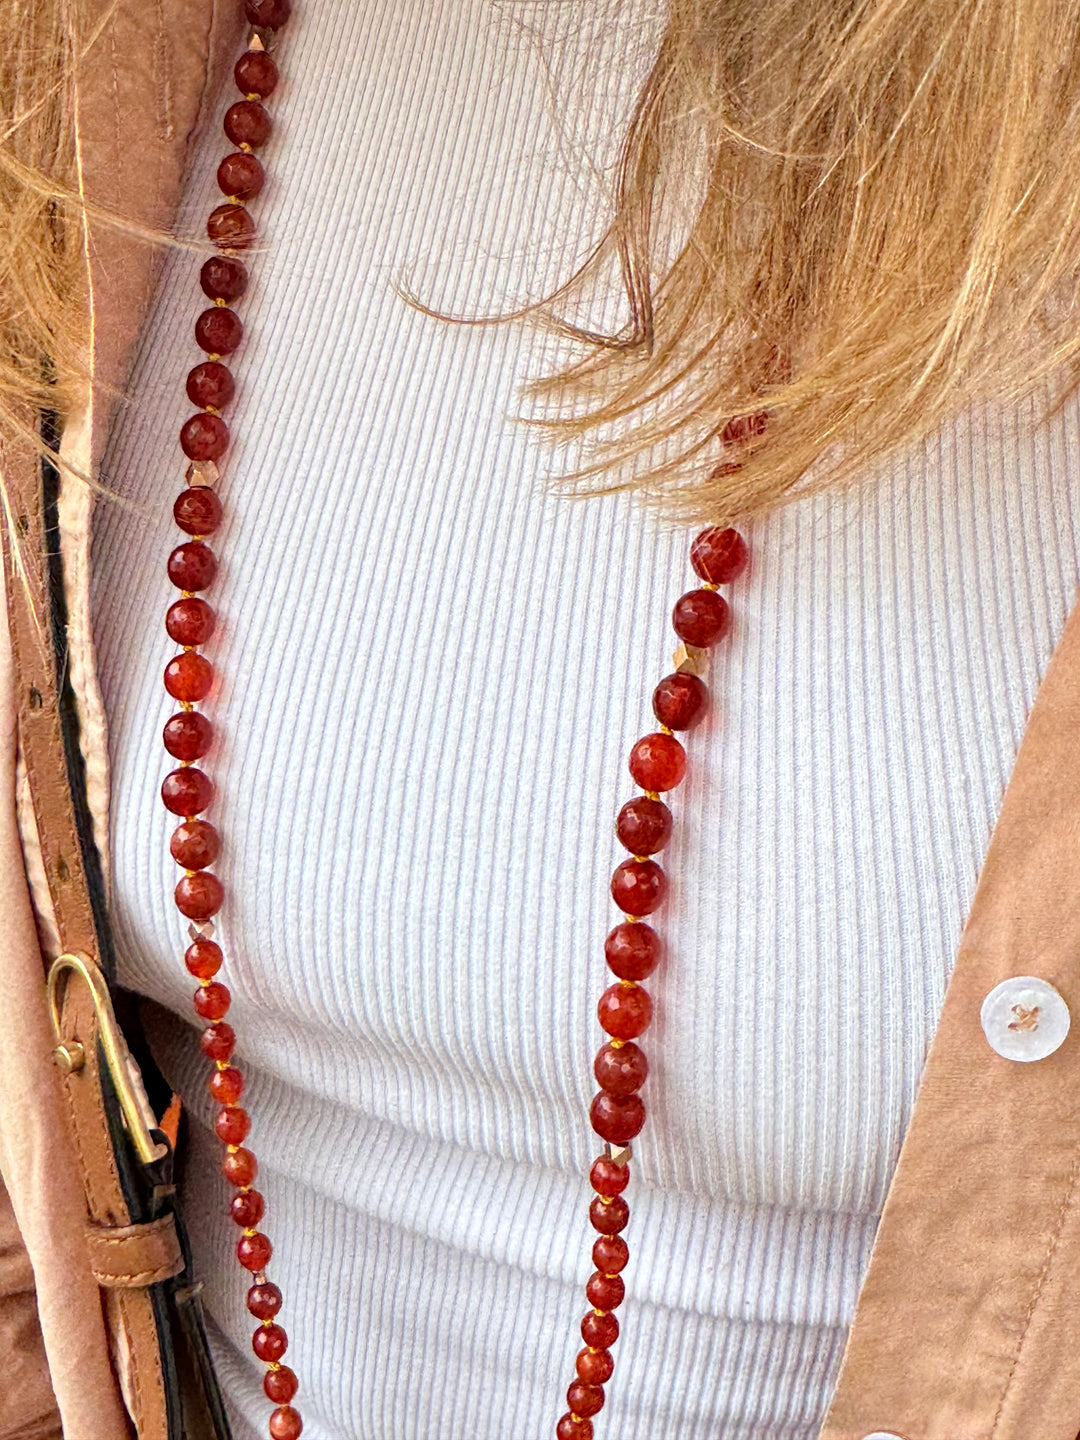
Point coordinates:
[(701, 618)]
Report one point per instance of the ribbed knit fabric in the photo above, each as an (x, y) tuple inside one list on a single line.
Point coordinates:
[(431, 672)]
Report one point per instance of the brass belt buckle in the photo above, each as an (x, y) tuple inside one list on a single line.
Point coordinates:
[(123, 1072)]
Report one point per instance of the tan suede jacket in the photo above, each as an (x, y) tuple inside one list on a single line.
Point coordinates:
[(968, 1324)]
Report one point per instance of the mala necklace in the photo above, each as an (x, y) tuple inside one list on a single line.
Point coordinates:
[(701, 619)]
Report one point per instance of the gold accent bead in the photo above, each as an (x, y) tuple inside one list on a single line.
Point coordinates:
[(689, 659)]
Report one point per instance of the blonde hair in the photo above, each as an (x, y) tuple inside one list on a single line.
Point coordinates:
[(854, 215)]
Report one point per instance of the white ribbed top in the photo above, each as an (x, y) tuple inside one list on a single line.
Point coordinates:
[(431, 673)]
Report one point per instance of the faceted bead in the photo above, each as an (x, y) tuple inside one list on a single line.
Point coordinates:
[(192, 566), (595, 1367), (187, 736), (270, 13), (632, 951), (218, 331), (241, 175), (610, 1254), (217, 1042), (233, 1125), (606, 1292), (204, 437), (240, 1167), (186, 792), (198, 509), (658, 762), (270, 1341), (254, 1251), (742, 428), (571, 1427), (608, 1178), (256, 74), (285, 1422), (617, 1118), (585, 1399), (719, 555), (643, 826), (280, 1385), (638, 887), (624, 1011), (609, 1217), (231, 226), (246, 1209), (204, 960), (190, 622), (247, 123), (226, 1086), (701, 617), (211, 383), (199, 896), (212, 1001), (194, 845), (679, 701), (599, 1331), (189, 676), (223, 277), (620, 1071), (264, 1301)]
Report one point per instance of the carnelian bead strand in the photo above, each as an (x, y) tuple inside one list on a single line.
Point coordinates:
[(190, 677), (701, 618)]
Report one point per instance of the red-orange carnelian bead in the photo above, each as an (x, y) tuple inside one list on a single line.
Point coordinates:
[(719, 555), (223, 277), (189, 622), (270, 1341), (594, 1366), (187, 736), (280, 1385), (199, 896), (248, 123), (240, 1167), (186, 792), (638, 887), (607, 1177), (195, 844), (218, 331), (204, 959), (599, 1331), (253, 1251), (256, 74), (233, 1125), (606, 1292), (679, 701), (204, 437), (240, 175), (632, 951), (226, 1086), (625, 1011), (189, 676), (285, 1423), (192, 566), (211, 383), (585, 1399), (573, 1427), (246, 1209), (643, 826), (617, 1118), (217, 1042), (610, 1254), (742, 428), (197, 510), (620, 1071), (264, 1301), (270, 13), (658, 762), (701, 617), (230, 226), (609, 1216), (212, 1001)]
